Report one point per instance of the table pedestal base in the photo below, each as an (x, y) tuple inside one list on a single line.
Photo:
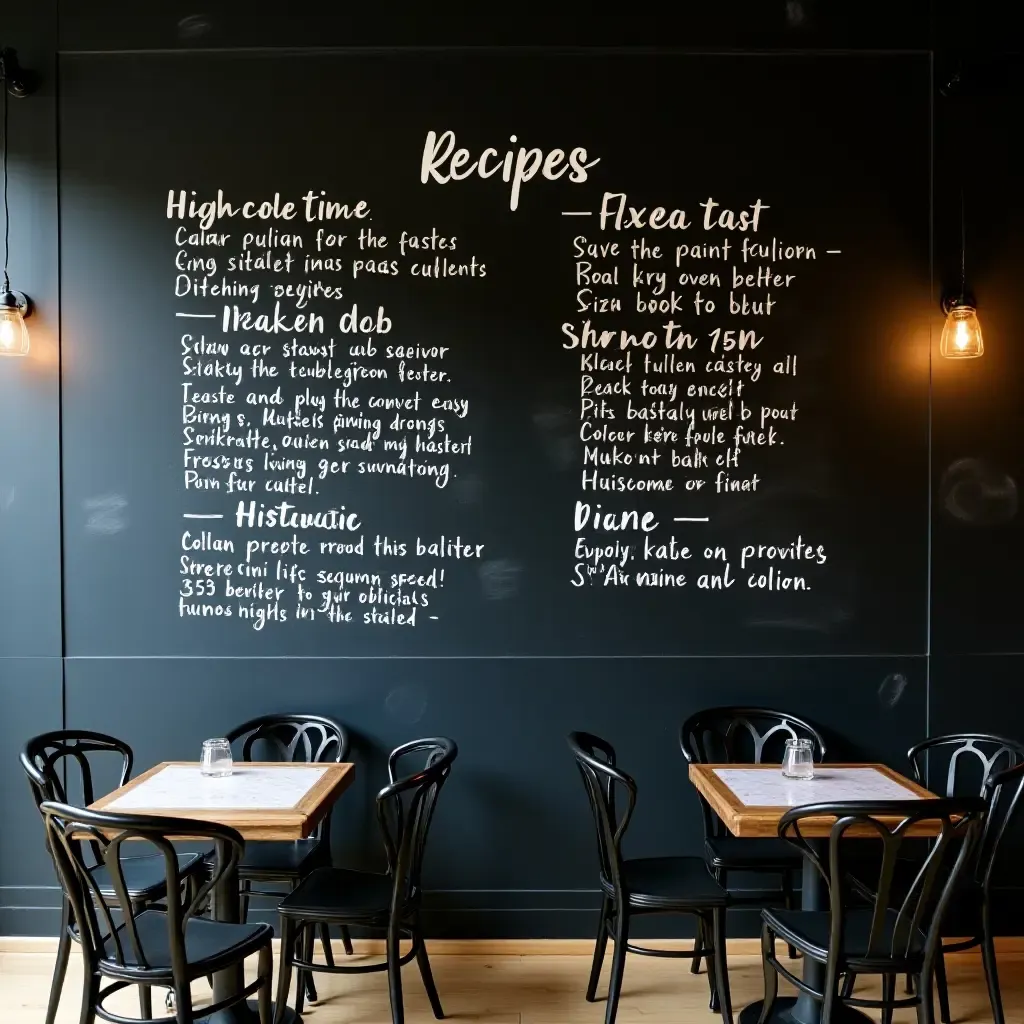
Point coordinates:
[(246, 1013), (800, 1010)]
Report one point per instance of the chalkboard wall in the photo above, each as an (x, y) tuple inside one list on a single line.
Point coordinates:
[(637, 419)]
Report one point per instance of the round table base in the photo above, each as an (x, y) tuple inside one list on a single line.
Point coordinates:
[(247, 1013), (790, 1010)]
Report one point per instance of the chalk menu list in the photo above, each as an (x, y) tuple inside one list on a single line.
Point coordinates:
[(294, 384)]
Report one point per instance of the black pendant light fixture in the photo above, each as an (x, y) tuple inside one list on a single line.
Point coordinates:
[(961, 333), (14, 307)]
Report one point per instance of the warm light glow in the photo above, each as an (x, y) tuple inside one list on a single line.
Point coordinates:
[(13, 332), (961, 335)]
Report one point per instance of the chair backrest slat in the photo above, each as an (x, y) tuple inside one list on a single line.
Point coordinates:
[(896, 926), (602, 778), (294, 739), (102, 939), (976, 763), (741, 735), (405, 810)]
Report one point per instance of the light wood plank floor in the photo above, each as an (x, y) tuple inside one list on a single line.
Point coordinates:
[(536, 989)]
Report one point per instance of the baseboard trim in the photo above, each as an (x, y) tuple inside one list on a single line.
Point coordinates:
[(1010, 946)]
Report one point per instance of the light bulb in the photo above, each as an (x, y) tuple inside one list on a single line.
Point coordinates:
[(961, 334), (13, 332)]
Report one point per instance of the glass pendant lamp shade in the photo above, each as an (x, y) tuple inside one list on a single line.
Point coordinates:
[(961, 334), (14, 339)]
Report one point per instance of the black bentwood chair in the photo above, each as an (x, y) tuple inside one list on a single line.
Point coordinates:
[(300, 739), (57, 762), (890, 936), (387, 902), (648, 885), (739, 735), (167, 946), (971, 763)]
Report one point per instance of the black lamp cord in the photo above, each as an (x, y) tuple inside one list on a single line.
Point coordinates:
[(7, 209)]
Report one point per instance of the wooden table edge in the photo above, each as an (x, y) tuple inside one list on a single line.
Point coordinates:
[(750, 821), (280, 824)]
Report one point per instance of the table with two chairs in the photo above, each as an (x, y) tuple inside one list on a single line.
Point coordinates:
[(158, 873), (881, 859)]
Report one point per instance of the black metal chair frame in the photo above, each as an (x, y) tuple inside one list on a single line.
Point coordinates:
[(919, 915), (69, 830), (602, 778), (44, 761), (405, 808), (311, 737), (726, 723), (1002, 784)]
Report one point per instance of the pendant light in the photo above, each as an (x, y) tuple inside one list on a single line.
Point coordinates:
[(961, 334), (14, 306)]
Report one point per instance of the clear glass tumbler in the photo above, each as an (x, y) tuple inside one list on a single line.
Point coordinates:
[(216, 758), (798, 760)]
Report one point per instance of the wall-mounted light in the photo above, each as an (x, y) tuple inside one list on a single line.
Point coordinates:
[(14, 307)]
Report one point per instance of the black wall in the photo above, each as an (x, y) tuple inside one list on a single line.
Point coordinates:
[(512, 849)]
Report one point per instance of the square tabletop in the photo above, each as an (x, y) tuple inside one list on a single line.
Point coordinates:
[(751, 799), (263, 800)]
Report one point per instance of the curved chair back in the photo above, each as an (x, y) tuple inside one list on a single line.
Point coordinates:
[(69, 829), (405, 809), (741, 735), (64, 761), (595, 759), (898, 920), (299, 739), (970, 763)]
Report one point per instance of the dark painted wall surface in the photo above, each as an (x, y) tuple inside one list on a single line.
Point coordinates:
[(512, 849)]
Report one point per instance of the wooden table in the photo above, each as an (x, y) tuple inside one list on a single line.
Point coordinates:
[(261, 800), (751, 799)]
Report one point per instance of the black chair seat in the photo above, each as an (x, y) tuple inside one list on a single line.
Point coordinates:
[(809, 931), (670, 882), (209, 945), (731, 853), (144, 876), (278, 859), (339, 894)]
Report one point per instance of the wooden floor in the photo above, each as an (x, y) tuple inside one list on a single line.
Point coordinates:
[(502, 989)]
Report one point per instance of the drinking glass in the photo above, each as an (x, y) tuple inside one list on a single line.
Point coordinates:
[(216, 759), (798, 760)]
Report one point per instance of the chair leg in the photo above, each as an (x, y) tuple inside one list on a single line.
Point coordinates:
[(771, 979), (299, 945), (265, 972), (284, 975), (325, 941), (988, 954), (790, 902), (243, 900), (621, 937), (599, 947), (721, 965), (427, 975), (708, 930), (307, 954), (183, 1004), (90, 995), (698, 945), (145, 992), (61, 966), (888, 996), (395, 975), (943, 987), (926, 1004), (346, 940), (848, 982)]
